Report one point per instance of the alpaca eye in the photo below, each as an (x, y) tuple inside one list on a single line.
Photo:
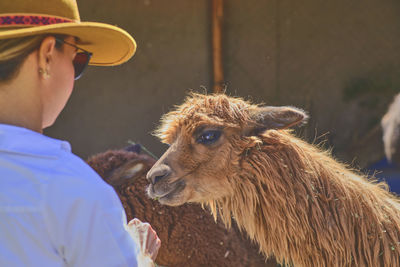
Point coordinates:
[(208, 137)]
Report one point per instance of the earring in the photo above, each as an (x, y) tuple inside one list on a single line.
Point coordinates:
[(45, 73)]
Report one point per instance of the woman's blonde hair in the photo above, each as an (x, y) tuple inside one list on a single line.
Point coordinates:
[(13, 53)]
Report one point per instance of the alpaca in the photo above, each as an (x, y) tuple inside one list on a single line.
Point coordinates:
[(391, 130), (189, 235), (291, 197)]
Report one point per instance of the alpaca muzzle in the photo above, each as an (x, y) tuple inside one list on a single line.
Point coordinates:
[(157, 173)]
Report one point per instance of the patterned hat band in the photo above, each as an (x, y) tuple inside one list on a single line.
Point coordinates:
[(13, 20)]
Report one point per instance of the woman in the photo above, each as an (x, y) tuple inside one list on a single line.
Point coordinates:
[(54, 209)]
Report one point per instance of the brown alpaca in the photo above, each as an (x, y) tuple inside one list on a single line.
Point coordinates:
[(189, 235), (291, 197), (391, 131)]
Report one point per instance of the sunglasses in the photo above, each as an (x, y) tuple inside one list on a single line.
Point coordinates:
[(81, 59)]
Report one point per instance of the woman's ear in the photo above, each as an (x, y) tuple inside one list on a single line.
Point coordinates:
[(46, 53), (266, 118)]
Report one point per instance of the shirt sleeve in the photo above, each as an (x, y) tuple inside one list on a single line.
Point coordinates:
[(87, 224)]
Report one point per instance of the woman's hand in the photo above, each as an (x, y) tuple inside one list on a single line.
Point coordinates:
[(146, 238)]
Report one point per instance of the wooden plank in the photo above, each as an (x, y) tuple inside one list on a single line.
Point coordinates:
[(217, 20)]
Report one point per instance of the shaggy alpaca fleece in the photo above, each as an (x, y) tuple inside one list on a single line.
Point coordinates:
[(189, 234), (292, 197)]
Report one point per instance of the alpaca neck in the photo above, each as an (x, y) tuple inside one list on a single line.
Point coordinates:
[(296, 201)]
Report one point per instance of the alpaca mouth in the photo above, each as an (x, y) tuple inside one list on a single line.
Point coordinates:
[(176, 188)]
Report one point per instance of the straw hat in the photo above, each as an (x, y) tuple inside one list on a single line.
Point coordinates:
[(109, 44)]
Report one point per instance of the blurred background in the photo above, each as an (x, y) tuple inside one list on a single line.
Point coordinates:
[(338, 60)]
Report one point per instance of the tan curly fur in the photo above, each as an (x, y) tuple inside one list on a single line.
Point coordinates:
[(291, 197)]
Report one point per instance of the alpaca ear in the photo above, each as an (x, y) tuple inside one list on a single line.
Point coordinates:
[(268, 117), (137, 148), (129, 171)]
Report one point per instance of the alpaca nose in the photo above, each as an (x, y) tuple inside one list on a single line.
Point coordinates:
[(157, 173)]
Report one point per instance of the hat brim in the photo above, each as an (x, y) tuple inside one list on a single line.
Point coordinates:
[(109, 44)]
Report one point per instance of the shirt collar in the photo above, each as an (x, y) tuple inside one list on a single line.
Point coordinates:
[(21, 140)]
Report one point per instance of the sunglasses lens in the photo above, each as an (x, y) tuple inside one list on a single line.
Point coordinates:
[(80, 62)]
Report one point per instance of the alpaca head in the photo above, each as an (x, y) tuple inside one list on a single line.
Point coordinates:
[(121, 167), (209, 136)]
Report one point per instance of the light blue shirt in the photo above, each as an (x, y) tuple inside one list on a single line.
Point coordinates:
[(54, 209)]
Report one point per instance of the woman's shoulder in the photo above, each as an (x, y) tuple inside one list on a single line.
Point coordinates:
[(72, 170), (75, 180)]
